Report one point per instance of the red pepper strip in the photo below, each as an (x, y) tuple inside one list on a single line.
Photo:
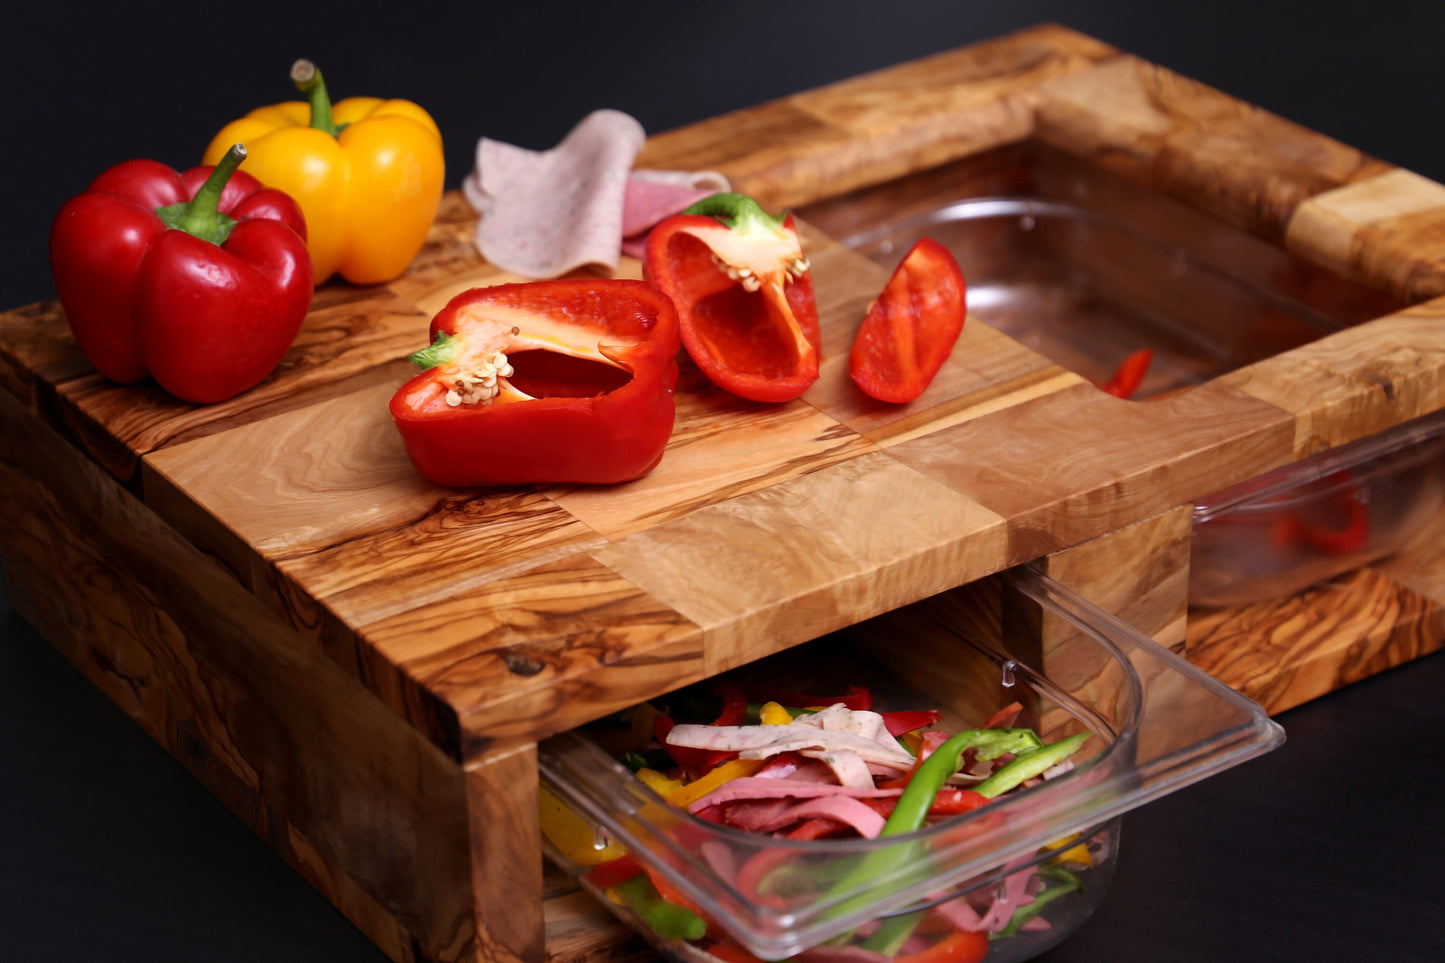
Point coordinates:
[(858, 698), (911, 329), (694, 762), (1005, 717), (743, 293), (962, 946), (614, 871), (820, 827), (946, 802), (730, 952), (900, 781), (898, 723), (699, 762), (1130, 374), (673, 895), (200, 280), (548, 381), (1339, 540), (755, 871), (734, 707)]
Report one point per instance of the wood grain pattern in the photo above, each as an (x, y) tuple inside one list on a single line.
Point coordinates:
[(1384, 228), (841, 544), (314, 765), (1356, 382), (271, 590), (1139, 573), (881, 125), (1284, 652), (1077, 463), (1241, 163)]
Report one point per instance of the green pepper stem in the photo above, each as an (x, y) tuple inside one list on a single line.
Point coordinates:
[(201, 215), (307, 78), (737, 211)]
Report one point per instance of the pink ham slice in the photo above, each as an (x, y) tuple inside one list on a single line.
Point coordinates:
[(752, 787), (653, 196), (545, 213), (845, 809)]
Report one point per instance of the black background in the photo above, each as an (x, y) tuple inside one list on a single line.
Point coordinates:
[(1328, 849)]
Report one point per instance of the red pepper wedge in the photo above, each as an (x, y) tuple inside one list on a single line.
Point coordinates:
[(199, 279), (910, 330), (567, 381), (744, 296)]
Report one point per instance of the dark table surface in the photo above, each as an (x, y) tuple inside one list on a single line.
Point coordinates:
[(1331, 848)]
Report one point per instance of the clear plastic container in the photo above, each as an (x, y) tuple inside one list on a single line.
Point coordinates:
[(1086, 268), (1157, 724), (1318, 518)]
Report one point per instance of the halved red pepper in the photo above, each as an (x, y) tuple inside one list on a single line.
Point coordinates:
[(744, 296), (910, 330), (546, 381)]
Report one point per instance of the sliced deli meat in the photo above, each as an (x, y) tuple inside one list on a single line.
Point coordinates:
[(545, 213), (653, 196)]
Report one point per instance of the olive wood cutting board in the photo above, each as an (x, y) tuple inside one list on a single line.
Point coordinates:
[(361, 663)]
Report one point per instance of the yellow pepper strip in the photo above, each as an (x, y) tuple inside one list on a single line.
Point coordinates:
[(573, 836), (368, 174), (774, 714), (1078, 853), (659, 783), (733, 769)]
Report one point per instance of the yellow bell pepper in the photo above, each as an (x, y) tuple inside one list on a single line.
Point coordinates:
[(774, 714), (368, 174)]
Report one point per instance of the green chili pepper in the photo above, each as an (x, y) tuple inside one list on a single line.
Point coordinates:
[(913, 805), (1066, 882), (1028, 765), (668, 920)]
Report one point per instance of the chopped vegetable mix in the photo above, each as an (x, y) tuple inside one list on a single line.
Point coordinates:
[(817, 768)]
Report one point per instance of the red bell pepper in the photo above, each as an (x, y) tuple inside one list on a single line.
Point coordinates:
[(565, 381), (744, 296), (911, 329), (1130, 374), (199, 279), (911, 720)]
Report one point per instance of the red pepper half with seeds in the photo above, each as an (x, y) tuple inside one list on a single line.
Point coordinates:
[(743, 293), (567, 381), (199, 279)]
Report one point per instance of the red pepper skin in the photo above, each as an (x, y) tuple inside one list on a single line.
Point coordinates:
[(899, 723), (857, 698), (910, 330), (144, 300), (962, 946), (590, 400), (1130, 374), (763, 344)]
